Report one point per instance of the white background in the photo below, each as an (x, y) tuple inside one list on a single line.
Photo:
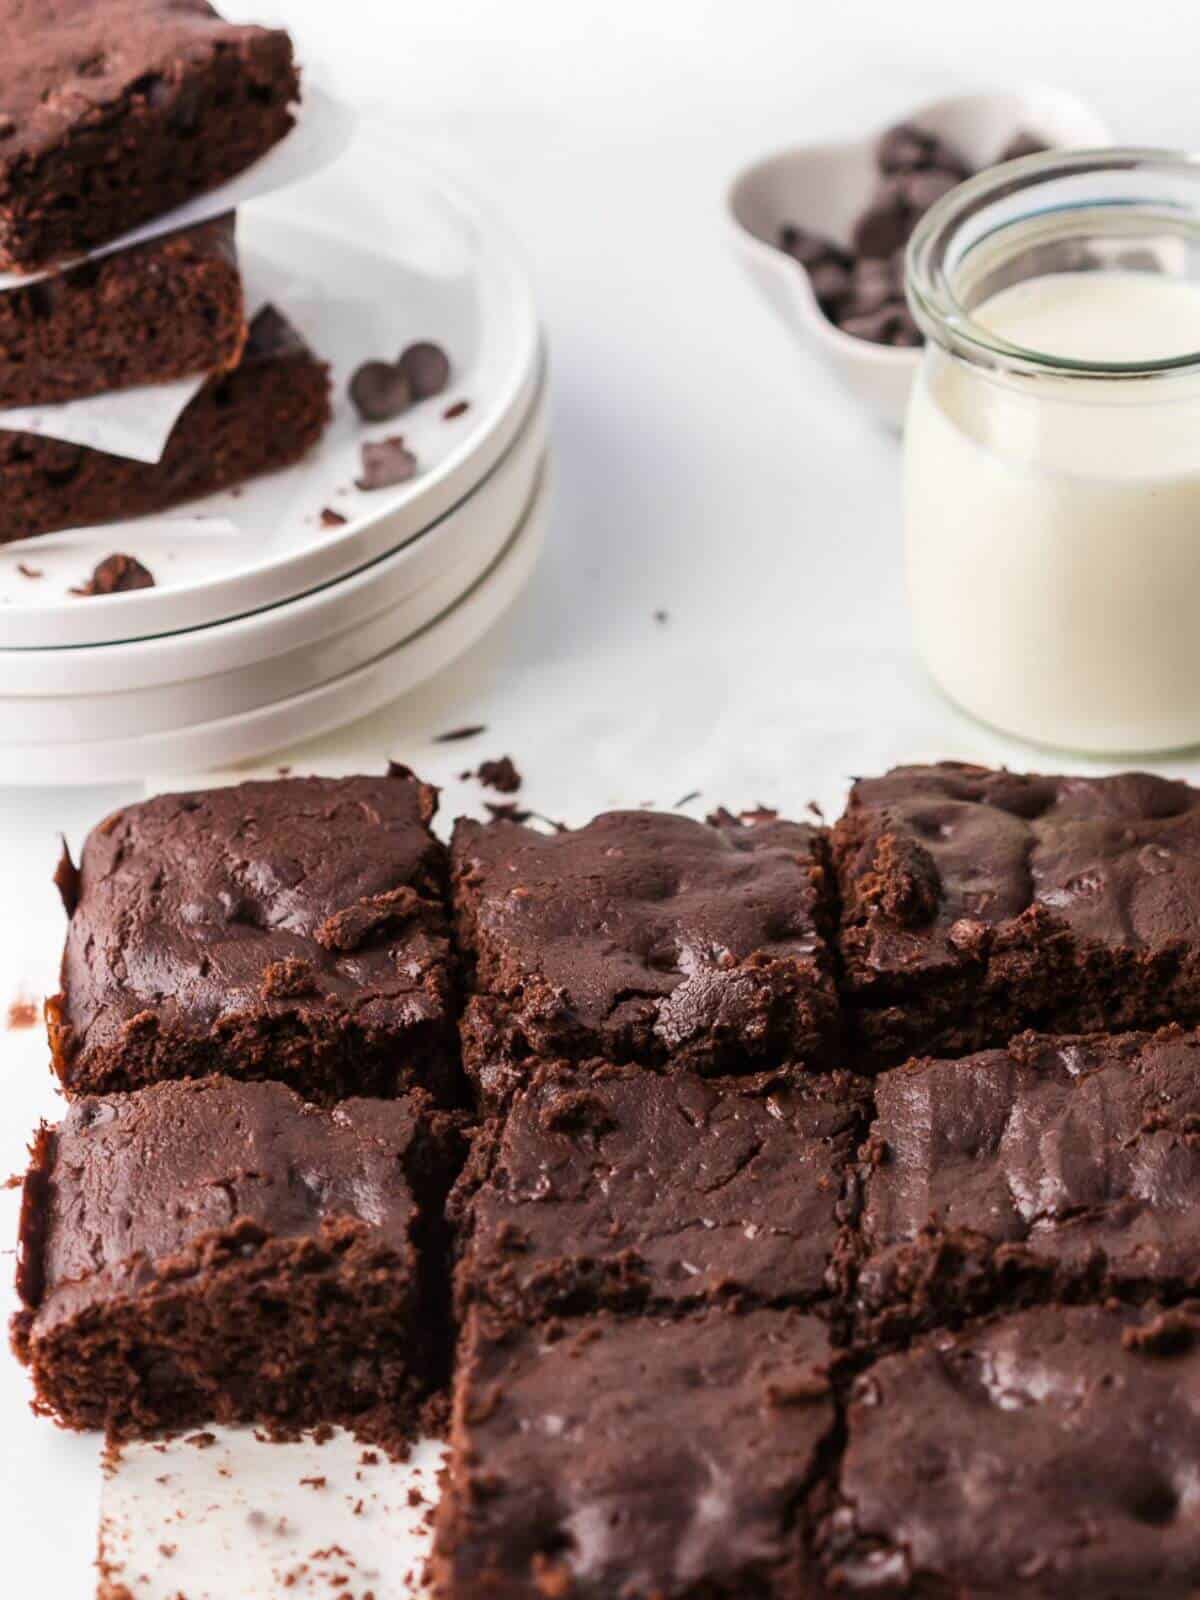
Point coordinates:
[(706, 463)]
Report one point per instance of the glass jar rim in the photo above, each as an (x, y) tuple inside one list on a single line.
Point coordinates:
[(929, 285)]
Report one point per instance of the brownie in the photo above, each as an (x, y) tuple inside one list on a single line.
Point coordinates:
[(614, 1186), (112, 114), (265, 414), (1058, 1167), (976, 904), (222, 1251), (645, 937), (293, 929), (1051, 1453), (643, 1458), (164, 310)]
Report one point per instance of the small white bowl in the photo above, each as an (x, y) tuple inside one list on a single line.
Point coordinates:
[(827, 187)]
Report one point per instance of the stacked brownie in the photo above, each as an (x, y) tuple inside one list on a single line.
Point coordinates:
[(110, 116), (826, 1224)]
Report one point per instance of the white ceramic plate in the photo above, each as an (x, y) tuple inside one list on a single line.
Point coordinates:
[(103, 691), (826, 187), (252, 735), (366, 275)]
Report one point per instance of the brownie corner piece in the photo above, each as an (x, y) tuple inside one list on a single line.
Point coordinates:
[(215, 1250), (1056, 1168), (645, 937), (186, 99), (615, 1187), (635, 1456), (977, 903), (293, 929), (1042, 1453)]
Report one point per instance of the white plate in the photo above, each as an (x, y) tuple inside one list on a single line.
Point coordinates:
[(252, 735), (826, 187), (100, 691), (418, 261)]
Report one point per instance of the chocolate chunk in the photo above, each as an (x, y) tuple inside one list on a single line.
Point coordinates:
[(385, 463), (117, 574), (380, 391), (426, 367)]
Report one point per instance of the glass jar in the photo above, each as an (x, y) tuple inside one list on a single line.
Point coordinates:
[(1052, 452)]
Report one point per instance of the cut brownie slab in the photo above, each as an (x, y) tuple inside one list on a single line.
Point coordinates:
[(166, 310), (977, 903), (221, 1251), (656, 1460), (611, 1185), (293, 929), (1051, 1453), (111, 114), (265, 414), (643, 937), (1057, 1167)]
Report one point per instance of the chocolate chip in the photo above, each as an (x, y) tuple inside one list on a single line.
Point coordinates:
[(811, 249), (385, 463), (893, 325), (426, 367), (907, 148), (1022, 144), (117, 574), (380, 391), (873, 285)]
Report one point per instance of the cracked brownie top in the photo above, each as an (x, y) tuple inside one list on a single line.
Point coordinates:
[(987, 901), (294, 928), (645, 936), (613, 1185)]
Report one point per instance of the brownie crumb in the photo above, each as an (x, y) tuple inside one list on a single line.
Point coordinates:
[(458, 409), (314, 1483), (501, 775), (22, 1013), (202, 1441), (332, 519), (116, 574), (507, 811), (452, 735), (27, 571)]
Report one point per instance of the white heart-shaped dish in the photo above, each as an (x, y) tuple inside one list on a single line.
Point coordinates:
[(826, 187)]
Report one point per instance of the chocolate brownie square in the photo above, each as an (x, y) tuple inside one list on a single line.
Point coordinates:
[(221, 1251), (648, 937), (1050, 1453), (976, 904), (613, 1186), (266, 414), (1058, 1167), (112, 114), (293, 929), (653, 1459), (164, 310)]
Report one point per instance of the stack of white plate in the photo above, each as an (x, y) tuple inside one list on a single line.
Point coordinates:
[(271, 622)]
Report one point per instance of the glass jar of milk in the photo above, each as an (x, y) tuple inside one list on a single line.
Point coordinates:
[(1052, 453)]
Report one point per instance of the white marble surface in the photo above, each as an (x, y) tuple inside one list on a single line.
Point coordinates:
[(707, 465)]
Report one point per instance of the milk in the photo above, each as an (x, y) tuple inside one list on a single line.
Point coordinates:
[(1053, 523)]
